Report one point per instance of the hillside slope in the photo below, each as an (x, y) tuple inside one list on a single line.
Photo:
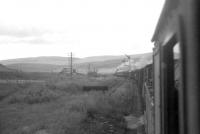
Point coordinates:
[(6, 69), (54, 60), (34, 67), (104, 64)]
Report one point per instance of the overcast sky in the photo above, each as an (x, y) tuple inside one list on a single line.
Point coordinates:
[(30, 28)]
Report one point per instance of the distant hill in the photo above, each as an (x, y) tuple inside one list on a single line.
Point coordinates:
[(112, 58), (6, 69), (104, 64), (54, 60), (34, 67), (82, 67)]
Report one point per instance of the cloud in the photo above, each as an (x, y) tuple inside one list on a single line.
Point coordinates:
[(37, 41), (19, 35), (21, 32), (23, 40)]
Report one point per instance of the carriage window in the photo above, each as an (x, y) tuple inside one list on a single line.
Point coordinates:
[(176, 55), (176, 51)]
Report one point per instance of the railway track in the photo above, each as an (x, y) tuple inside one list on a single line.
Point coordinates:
[(97, 123)]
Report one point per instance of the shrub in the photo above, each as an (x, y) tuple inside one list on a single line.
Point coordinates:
[(67, 86), (34, 94)]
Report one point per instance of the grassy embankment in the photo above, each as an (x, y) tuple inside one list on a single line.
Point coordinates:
[(59, 106)]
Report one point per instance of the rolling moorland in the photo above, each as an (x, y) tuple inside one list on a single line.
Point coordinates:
[(104, 64), (59, 105)]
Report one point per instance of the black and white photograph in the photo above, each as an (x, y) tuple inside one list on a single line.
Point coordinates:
[(99, 67)]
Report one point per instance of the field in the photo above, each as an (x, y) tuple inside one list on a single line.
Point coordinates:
[(60, 106)]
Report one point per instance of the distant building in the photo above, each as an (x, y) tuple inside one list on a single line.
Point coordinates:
[(65, 71)]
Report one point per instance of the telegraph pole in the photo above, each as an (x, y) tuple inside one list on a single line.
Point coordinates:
[(71, 65)]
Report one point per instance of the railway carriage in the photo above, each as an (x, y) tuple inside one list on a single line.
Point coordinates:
[(171, 85), (176, 59)]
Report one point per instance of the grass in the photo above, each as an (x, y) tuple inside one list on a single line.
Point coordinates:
[(34, 94), (61, 107)]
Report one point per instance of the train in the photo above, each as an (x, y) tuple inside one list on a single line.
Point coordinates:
[(123, 69), (176, 90), (169, 88)]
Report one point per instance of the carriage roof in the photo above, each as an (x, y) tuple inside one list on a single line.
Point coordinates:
[(168, 10)]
